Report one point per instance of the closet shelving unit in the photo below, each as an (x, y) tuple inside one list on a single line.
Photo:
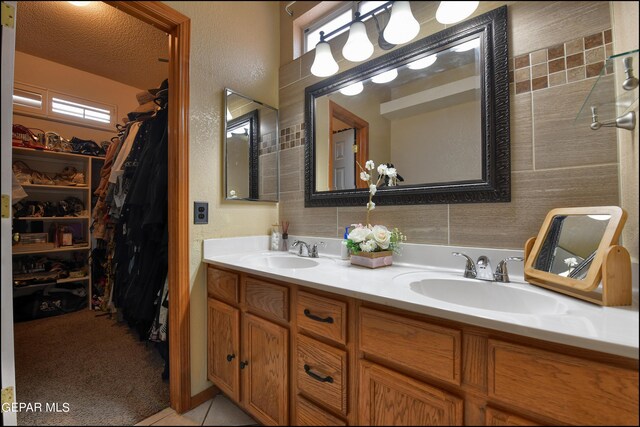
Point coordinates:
[(52, 162)]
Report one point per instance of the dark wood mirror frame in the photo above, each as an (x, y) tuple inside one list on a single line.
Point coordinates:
[(611, 262), (252, 118), (495, 185)]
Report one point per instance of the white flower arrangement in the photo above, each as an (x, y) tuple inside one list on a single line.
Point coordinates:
[(377, 238)]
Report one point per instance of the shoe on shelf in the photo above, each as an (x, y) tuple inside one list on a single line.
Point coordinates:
[(41, 178), (22, 172), (71, 174)]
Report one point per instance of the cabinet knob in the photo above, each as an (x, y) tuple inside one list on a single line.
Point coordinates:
[(230, 357), (243, 364), (328, 319)]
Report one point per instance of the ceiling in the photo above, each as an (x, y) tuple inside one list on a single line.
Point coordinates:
[(96, 38)]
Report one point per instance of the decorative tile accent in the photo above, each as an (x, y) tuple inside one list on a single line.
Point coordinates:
[(292, 136), (538, 57), (522, 61), (561, 64), (574, 46), (555, 52), (593, 40), (539, 83), (557, 79), (575, 60)]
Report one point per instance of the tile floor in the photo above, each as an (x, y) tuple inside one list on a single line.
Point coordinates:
[(219, 411)]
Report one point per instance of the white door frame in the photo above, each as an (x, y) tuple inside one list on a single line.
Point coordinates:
[(7, 359)]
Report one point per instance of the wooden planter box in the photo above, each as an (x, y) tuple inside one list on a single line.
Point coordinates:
[(372, 259)]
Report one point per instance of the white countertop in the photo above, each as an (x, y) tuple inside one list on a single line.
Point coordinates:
[(578, 323)]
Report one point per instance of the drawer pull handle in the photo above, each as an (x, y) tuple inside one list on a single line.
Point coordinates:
[(317, 377), (316, 318), (243, 364), (230, 357)]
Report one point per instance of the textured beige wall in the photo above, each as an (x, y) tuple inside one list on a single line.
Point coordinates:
[(554, 162), (625, 37), (235, 45)]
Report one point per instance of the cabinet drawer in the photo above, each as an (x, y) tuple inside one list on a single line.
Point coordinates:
[(308, 414), (324, 316), (494, 417), (222, 284), (322, 373), (428, 349), (389, 398), (267, 298), (566, 388)]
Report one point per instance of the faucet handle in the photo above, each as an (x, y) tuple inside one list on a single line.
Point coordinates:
[(314, 249), (470, 267), (501, 274)]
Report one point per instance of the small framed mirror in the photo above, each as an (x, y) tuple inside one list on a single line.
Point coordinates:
[(570, 248), (251, 165)]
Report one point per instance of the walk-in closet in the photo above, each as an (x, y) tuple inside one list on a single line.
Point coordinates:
[(89, 229)]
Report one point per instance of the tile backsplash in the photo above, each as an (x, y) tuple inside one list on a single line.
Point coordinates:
[(555, 162), (568, 62)]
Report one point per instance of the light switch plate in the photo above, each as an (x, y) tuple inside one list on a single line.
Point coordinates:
[(200, 212)]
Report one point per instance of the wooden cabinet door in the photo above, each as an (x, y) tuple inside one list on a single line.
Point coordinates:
[(223, 324), (265, 362), (388, 398)]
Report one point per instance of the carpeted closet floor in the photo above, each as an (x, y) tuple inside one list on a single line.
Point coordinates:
[(96, 365)]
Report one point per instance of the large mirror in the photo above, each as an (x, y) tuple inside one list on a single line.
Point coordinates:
[(250, 149), (437, 109), (571, 244)]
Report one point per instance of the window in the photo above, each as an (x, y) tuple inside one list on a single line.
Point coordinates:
[(40, 102), (82, 111), (334, 20)]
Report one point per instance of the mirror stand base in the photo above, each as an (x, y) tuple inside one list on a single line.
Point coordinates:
[(616, 279)]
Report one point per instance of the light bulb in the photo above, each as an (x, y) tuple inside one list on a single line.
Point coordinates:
[(423, 63), (471, 44), (402, 26), (358, 47), (80, 3), (385, 77), (450, 12), (353, 89), (324, 65)]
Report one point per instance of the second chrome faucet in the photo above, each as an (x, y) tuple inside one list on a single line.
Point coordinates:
[(481, 269)]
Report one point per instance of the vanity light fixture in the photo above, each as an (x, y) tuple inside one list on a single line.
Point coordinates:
[(471, 44), (358, 47), (401, 28), (423, 63), (450, 12), (385, 77), (353, 89)]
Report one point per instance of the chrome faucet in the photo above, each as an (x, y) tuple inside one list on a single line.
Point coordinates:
[(304, 250), (481, 269)]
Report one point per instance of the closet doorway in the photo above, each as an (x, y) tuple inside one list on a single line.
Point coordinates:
[(177, 28)]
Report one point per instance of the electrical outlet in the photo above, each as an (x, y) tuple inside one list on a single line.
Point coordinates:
[(200, 212)]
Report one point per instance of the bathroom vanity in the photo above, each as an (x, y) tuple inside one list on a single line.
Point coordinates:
[(306, 341)]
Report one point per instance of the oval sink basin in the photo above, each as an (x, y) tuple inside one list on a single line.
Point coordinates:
[(487, 296), (290, 262)]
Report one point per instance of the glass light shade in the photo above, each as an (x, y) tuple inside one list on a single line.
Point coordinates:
[(450, 12), (80, 3), (358, 47), (471, 44), (229, 116), (402, 26), (423, 63), (353, 89), (324, 65), (385, 77)]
